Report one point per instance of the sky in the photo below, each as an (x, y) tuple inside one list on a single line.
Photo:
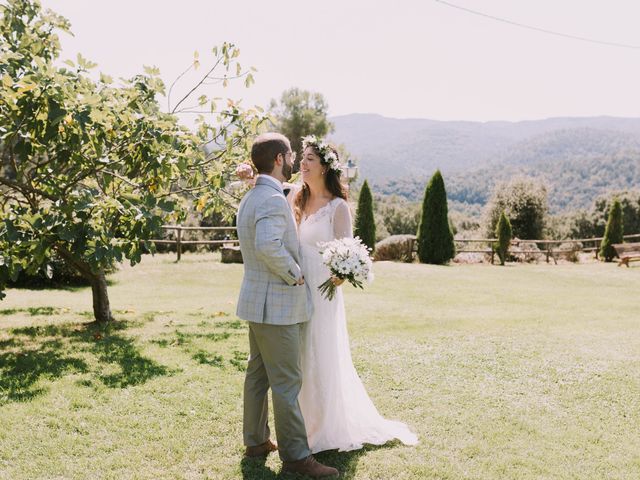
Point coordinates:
[(401, 59)]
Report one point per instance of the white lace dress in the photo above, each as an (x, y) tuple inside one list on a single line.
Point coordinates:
[(337, 411)]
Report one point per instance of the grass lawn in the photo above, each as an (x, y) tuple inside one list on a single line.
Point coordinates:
[(516, 372)]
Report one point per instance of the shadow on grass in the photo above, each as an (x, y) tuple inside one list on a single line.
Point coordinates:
[(75, 286), (52, 351), (345, 462)]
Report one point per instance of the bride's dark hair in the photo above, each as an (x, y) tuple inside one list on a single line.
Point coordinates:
[(331, 181)]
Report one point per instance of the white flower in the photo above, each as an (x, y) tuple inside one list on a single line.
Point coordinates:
[(348, 258), (326, 152)]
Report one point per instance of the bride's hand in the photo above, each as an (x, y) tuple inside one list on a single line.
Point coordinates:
[(337, 281)]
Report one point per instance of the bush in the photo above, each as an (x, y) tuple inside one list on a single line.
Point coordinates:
[(396, 248), (525, 204), (571, 251), (398, 215), (503, 232), (435, 239), (592, 223), (527, 252), (613, 233), (365, 226)]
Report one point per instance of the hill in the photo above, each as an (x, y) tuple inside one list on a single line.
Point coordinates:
[(577, 158)]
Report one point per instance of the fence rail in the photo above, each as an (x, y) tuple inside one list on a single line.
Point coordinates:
[(549, 251), (179, 242)]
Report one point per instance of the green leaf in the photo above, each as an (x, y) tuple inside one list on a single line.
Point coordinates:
[(151, 71), (7, 81), (11, 232), (167, 205), (106, 78)]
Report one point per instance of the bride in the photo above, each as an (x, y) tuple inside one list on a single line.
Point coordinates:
[(337, 411)]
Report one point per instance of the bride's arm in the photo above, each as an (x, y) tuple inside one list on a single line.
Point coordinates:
[(342, 228), (342, 221)]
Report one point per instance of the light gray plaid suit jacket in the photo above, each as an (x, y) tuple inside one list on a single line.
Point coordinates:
[(271, 257)]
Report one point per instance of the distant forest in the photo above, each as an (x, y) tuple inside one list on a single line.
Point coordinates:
[(577, 159)]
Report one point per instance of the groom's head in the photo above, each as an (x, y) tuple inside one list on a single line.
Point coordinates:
[(271, 154)]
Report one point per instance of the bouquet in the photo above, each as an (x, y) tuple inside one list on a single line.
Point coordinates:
[(347, 259), (244, 171)]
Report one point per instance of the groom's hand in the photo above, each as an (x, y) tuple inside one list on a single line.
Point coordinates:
[(300, 281)]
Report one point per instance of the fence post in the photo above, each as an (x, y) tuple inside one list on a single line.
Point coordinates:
[(548, 251), (179, 242)]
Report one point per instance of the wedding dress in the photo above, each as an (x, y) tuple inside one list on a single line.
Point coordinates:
[(337, 411)]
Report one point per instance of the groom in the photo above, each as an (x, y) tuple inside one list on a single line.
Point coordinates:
[(273, 298)]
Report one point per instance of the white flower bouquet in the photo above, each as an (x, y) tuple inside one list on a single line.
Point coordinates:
[(347, 259)]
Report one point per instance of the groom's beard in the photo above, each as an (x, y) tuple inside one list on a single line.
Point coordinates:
[(287, 170)]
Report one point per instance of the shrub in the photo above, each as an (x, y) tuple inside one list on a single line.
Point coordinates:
[(435, 239), (365, 226), (503, 233), (525, 204), (396, 248), (613, 233)]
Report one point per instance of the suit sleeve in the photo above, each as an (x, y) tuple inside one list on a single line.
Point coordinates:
[(271, 224)]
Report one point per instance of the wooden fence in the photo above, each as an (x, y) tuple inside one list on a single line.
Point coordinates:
[(179, 242), (549, 248)]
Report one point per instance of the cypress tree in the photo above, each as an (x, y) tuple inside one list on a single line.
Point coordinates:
[(503, 233), (365, 225), (435, 239), (613, 232)]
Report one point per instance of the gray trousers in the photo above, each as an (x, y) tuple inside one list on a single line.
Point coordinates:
[(274, 362)]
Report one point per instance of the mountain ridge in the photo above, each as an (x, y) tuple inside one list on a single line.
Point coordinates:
[(570, 154)]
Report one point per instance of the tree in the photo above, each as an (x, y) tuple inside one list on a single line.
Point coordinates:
[(300, 113), (630, 205), (398, 215), (365, 225), (89, 171), (613, 233), (435, 238), (524, 201), (503, 233)]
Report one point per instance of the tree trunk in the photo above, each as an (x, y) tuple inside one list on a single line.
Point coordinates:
[(101, 308)]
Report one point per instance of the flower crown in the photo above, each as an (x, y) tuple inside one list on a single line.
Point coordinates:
[(326, 152)]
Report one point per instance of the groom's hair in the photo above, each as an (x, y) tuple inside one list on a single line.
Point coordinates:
[(266, 148)]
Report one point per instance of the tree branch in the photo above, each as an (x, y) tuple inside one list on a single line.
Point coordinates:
[(124, 179), (173, 84), (24, 189), (198, 84)]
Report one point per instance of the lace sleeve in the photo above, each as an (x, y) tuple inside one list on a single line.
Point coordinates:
[(342, 221)]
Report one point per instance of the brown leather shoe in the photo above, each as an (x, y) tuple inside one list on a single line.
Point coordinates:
[(309, 466), (261, 450)]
